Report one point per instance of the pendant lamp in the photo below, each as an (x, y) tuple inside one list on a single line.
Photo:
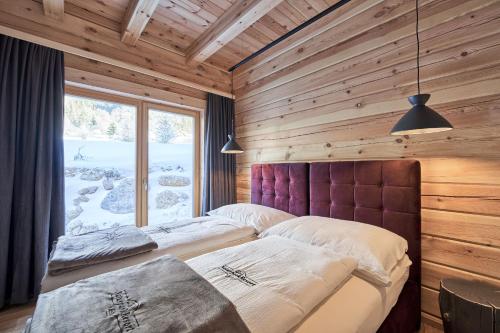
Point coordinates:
[(420, 119), (231, 147)]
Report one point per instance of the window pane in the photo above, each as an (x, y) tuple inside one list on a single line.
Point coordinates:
[(171, 159), (100, 170)]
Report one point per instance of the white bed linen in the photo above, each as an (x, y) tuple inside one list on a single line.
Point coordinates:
[(289, 279), (258, 216), (189, 236), (185, 239), (358, 307), (377, 250)]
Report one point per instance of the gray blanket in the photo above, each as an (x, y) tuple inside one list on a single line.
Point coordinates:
[(162, 295), (73, 252)]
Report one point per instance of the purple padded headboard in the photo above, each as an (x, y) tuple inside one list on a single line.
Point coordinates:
[(382, 193), (283, 186)]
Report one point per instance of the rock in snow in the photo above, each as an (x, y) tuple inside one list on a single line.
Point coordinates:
[(121, 200), (113, 174), (92, 174), (88, 190), (73, 213), (70, 171), (167, 199), (107, 184), (80, 199), (173, 180)]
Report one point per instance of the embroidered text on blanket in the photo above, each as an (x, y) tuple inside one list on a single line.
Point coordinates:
[(123, 309), (170, 228), (73, 247), (165, 229), (238, 274), (112, 235)]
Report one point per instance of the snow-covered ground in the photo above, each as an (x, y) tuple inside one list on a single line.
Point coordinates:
[(105, 163)]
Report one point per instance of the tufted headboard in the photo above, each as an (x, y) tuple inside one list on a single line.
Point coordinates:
[(382, 193), (282, 186)]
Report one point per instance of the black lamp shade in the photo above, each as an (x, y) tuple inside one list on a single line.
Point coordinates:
[(420, 119), (231, 147)]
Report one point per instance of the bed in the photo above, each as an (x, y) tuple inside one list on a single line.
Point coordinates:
[(212, 234), (193, 237), (381, 193)]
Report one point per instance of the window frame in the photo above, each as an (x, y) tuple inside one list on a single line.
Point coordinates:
[(145, 154), (141, 152)]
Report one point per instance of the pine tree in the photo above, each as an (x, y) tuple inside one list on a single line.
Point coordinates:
[(111, 131), (164, 130)]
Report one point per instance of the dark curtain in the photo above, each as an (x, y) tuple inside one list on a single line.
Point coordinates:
[(31, 164), (219, 176)]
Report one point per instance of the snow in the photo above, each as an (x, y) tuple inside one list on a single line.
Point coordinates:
[(164, 159), (180, 157)]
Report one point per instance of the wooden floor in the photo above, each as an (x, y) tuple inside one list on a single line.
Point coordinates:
[(13, 319), (430, 329)]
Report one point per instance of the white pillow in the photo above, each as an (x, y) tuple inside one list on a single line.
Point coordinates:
[(377, 250), (257, 216), (401, 270)]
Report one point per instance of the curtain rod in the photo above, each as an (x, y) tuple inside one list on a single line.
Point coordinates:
[(291, 32)]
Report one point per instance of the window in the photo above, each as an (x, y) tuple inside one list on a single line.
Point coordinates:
[(128, 162), (171, 158)]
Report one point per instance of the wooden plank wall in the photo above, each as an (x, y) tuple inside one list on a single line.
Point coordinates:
[(334, 91), (97, 75)]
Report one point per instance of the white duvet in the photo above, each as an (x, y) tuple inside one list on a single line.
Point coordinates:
[(196, 232), (274, 282)]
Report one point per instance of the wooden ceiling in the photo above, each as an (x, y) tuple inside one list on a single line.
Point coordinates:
[(176, 24), (189, 43)]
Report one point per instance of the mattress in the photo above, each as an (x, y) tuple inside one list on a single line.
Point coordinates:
[(184, 239), (357, 307)]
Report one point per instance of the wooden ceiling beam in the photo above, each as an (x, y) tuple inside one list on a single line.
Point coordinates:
[(54, 8), (157, 63), (136, 18), (233, 22)]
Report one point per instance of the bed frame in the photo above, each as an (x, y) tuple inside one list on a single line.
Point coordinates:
[(381, 193)]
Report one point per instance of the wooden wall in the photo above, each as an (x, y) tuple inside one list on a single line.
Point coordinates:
[(334, 91), (95, 75)]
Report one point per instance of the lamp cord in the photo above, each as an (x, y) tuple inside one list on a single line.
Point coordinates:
[(232, 83), (232, 93), (418, 49)]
